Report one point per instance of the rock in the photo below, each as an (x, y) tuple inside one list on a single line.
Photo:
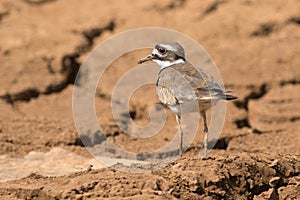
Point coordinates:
[(274, 163), (271, 194), (56, 162), (274, 182), (290, 191)]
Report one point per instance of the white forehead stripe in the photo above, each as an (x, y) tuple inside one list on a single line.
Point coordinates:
[(155, 52)]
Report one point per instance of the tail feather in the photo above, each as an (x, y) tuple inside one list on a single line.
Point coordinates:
[(229, 97)]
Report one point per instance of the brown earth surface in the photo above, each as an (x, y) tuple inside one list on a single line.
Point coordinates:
[(255, 46)]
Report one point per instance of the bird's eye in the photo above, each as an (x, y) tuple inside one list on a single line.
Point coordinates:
[(162, 50)]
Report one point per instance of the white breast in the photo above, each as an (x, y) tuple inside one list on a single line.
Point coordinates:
[(175, 109)]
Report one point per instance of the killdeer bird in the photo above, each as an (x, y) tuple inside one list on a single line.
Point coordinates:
[(179, 83)]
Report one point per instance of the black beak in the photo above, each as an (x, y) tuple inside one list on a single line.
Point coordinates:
[(148, 58)]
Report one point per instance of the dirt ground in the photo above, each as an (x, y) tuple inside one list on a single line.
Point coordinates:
[(255, 45)]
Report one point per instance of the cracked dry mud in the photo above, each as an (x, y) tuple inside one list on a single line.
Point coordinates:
[(255, 46)]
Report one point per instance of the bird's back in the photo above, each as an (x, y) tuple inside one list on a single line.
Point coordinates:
[(180, 83)]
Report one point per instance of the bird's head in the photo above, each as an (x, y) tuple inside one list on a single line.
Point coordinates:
[(166, 54)]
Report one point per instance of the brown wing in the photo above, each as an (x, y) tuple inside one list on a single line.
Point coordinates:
[(183, 82)]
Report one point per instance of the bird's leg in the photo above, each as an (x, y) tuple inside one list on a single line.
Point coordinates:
[(205, 133), (178, 119)]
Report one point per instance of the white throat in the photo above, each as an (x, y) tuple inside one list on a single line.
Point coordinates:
[(164, 64)]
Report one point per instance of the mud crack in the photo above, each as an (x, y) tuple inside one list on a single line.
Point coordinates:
[(172, 5), (295, 20), (264, 29), (69, 67), (24, 95), (176, 4), (267, 28), (213, 7), (3, 15), (91, 34), (38, 2), (287, 82), (256, 93)]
